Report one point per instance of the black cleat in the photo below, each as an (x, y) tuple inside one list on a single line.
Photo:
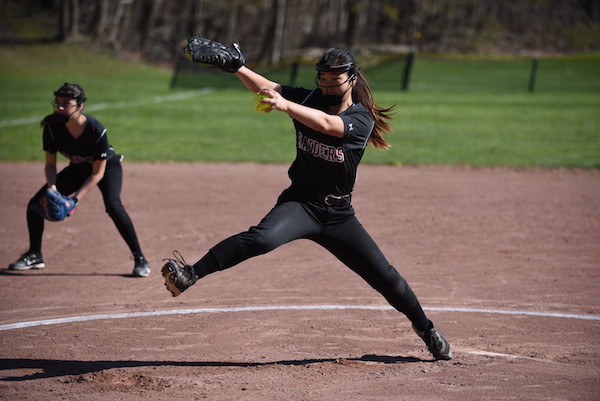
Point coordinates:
[(436, 344), (29, 260), (141, 267), (179, 276)]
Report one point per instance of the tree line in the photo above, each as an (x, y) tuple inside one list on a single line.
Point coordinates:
[(271, 31)]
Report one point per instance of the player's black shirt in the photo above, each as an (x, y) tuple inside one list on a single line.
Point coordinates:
[(91, 145), (326, 164)]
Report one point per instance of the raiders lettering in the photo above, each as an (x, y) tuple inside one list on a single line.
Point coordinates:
[(320, 150), (79, 159)]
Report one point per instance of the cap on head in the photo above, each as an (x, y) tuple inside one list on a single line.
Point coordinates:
[(72, 91), (336, 60)]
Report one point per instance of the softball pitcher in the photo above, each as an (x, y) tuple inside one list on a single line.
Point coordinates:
[(333, 123), (92, 161)]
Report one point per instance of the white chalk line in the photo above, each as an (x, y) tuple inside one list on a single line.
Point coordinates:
[(78, 319), (114, 105), (127, 315)]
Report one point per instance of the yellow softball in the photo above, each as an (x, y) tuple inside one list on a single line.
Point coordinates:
[(258, 105)]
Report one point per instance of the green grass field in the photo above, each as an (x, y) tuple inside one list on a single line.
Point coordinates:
[(472, 112)]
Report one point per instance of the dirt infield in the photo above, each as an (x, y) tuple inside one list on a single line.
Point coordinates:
[(506, 262)]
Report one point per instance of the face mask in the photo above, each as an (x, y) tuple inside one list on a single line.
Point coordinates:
[(332, 100), (55, 118), (61, 118)]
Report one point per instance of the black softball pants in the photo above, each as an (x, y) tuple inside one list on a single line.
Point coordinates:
[(337, 230), (68, 181)]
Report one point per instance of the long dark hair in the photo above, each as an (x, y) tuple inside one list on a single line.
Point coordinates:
[(361, 92)]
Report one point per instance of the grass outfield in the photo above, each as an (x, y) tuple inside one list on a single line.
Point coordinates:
[(474, 112)]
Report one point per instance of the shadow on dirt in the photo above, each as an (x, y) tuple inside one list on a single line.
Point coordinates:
[(56, 368), (29, 273)]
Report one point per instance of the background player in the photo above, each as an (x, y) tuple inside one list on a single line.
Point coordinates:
[(333, 124), (92, 161)]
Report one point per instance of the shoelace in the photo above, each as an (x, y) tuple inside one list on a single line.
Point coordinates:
[(31, 258), (436, 341), (179, 260)]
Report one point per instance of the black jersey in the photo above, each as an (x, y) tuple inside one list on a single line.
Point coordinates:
[(91, 145), (324, 163)]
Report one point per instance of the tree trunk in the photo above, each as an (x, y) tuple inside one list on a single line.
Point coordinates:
[(115, 25), (102, 19), (356, 22), (74, 20), (232, 22), (63, 20), (278, 31)]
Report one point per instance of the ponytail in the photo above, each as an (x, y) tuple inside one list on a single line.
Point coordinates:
[(361, 93)]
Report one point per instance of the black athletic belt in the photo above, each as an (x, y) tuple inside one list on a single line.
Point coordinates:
[(335, 200)]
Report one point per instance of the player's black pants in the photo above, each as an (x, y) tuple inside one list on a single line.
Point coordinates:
[(337, 230), (68, 181)]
